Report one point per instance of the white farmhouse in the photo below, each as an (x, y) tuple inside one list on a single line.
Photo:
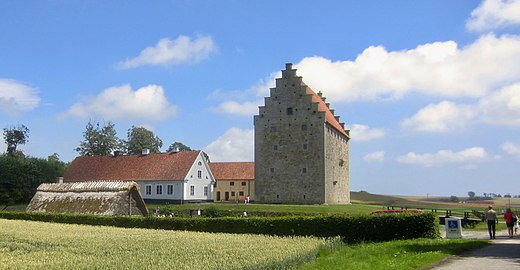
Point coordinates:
[(171, 177)]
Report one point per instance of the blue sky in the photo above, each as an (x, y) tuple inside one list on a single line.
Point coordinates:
[(429, 89)]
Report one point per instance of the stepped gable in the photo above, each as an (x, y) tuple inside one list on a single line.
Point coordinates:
[(331, 119), (329, 116), (162, 166)]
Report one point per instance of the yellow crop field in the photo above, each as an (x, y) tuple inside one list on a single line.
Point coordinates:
[(39, 245)]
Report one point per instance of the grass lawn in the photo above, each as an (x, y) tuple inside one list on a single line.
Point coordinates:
[(403, 254), (351, 209)]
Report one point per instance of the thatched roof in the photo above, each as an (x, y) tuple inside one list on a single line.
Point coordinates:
[(98, 198), (161, 166)]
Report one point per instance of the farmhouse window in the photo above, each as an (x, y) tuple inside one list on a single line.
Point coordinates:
[(148, 189), (158, 190), (192, 190), (205, 191), (232, 194), (199, 174), (169, 189)]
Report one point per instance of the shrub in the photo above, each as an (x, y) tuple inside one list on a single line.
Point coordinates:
[(349, 228)]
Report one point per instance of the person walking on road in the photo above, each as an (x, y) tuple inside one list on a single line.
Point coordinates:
[(509, 217), (491, 217)]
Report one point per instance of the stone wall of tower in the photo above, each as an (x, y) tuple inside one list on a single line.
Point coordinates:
[(289, 165), (337, 170), (294, 149)]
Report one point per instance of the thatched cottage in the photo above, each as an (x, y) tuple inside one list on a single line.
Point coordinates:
[(97, 198)]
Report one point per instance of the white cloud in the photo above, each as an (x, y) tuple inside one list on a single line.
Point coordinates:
[(235, 145), (245, 108), (438, 69), (121, 102), (442, 117), (511, 148), (502, 107), (493, 14), (364, 133), (237, 108), (466, 157), (377, 156), (170, 52), (17, 97)]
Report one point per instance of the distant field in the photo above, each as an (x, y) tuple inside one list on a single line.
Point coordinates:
[(37, 245)]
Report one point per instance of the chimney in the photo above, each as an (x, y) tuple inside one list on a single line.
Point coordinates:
[(145, 152)]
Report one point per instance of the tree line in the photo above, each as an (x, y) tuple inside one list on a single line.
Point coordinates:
[(20, 175), (102, 140)]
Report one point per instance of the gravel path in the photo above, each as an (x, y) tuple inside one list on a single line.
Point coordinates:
[(503, 253)]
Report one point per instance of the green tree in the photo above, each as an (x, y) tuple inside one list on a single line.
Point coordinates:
[(179, 147), (140, 138), (99, 141), (20, 176), (471, 195), (15, 136)]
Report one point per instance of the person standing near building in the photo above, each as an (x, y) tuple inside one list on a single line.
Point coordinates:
[(509, 217), (491, 217)]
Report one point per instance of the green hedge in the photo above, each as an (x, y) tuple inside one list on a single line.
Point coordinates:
[(350, 228)]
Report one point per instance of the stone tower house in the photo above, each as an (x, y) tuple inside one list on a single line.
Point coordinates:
[(301, 148)]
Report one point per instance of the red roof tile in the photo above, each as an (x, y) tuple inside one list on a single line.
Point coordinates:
[(329, 117), (163, 166), (233, 170)]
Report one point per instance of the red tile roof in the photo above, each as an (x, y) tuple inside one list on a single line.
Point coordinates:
[(329, 116), (233, 170), (163, 166)]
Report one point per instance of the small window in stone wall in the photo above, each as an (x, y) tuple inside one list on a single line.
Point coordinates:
[(275, 147), (232, 193), (341, 162), (304, 127), (304, 146), (231, 183), (240, 193), (289, 111), (243, 183), (272, 170), (304, 170)]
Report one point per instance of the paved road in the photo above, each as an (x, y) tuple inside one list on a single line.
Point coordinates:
[(503, 253)]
